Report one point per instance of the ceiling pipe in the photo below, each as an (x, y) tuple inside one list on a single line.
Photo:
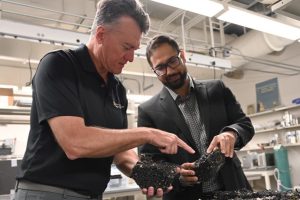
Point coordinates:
[(212, 39), (47, 10), (183, 31), (268, 1)]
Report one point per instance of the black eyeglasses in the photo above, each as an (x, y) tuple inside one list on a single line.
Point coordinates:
[(161, 69)]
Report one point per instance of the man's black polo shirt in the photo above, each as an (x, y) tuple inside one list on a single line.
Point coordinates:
[(67, 84)]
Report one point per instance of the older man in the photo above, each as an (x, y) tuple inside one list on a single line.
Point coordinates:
[(78, 116)]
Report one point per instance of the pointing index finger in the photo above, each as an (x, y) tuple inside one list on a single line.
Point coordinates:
[(185, 146), (213, 144)]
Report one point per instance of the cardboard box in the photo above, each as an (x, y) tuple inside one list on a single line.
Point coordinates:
[(6, 97)]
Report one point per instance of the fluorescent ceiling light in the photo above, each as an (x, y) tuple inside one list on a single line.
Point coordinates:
[(203, 7), (208, 61), (259, 22)]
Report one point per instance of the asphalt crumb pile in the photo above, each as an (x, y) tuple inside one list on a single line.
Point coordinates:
[(159, 174), (250, 195), (208, 165)]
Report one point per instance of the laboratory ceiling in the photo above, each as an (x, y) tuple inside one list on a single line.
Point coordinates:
[(202, 35)]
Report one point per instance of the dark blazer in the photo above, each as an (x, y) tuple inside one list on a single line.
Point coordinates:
[(219, 111)]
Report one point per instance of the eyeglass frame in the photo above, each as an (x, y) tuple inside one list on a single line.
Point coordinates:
[(167, 64)]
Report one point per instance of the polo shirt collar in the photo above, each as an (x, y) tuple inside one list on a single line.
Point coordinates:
[(85, 58), (87, 62)]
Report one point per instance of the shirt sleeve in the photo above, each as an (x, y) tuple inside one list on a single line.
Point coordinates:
[(55, 88)]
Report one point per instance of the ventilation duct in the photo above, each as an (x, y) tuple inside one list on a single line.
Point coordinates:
[(267, 1), (255, 44)]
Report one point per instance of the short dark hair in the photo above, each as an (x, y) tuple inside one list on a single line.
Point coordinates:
[(156, 42), (109, 11)]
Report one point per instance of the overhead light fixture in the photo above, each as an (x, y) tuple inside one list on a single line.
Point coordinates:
[(237, 16), (207, 61), (204, 7), (259, 22)]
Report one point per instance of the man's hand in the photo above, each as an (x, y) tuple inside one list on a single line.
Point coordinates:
[(187, 174), (159, 192), (225, 141), (167, 142)]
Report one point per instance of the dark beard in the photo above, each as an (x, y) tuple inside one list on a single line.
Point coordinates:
[(179, 83)]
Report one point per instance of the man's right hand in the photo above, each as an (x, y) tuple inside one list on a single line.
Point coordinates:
[(168, 142)]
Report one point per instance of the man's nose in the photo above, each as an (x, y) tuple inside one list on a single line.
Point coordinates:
[(130, 55), (169, 70)]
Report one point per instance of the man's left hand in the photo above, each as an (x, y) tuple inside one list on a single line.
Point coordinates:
[(225, 141)]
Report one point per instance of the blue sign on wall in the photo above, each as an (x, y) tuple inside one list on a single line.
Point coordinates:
[(267, 95)]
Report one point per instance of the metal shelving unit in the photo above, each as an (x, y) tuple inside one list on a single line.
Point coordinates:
[(278, 129), (20, 115), (279, 109), (14, 110), (270, 147), (259, 134), (276, 111), (14, 115)]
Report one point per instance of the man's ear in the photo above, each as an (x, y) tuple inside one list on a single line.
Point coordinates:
[(100, 34), (182, 55)]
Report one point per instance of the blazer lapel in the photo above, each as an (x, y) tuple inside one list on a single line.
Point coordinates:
[(169, 105), (203, 104)]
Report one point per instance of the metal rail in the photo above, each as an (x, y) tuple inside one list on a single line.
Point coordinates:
[(46, 9), (76, 25)]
